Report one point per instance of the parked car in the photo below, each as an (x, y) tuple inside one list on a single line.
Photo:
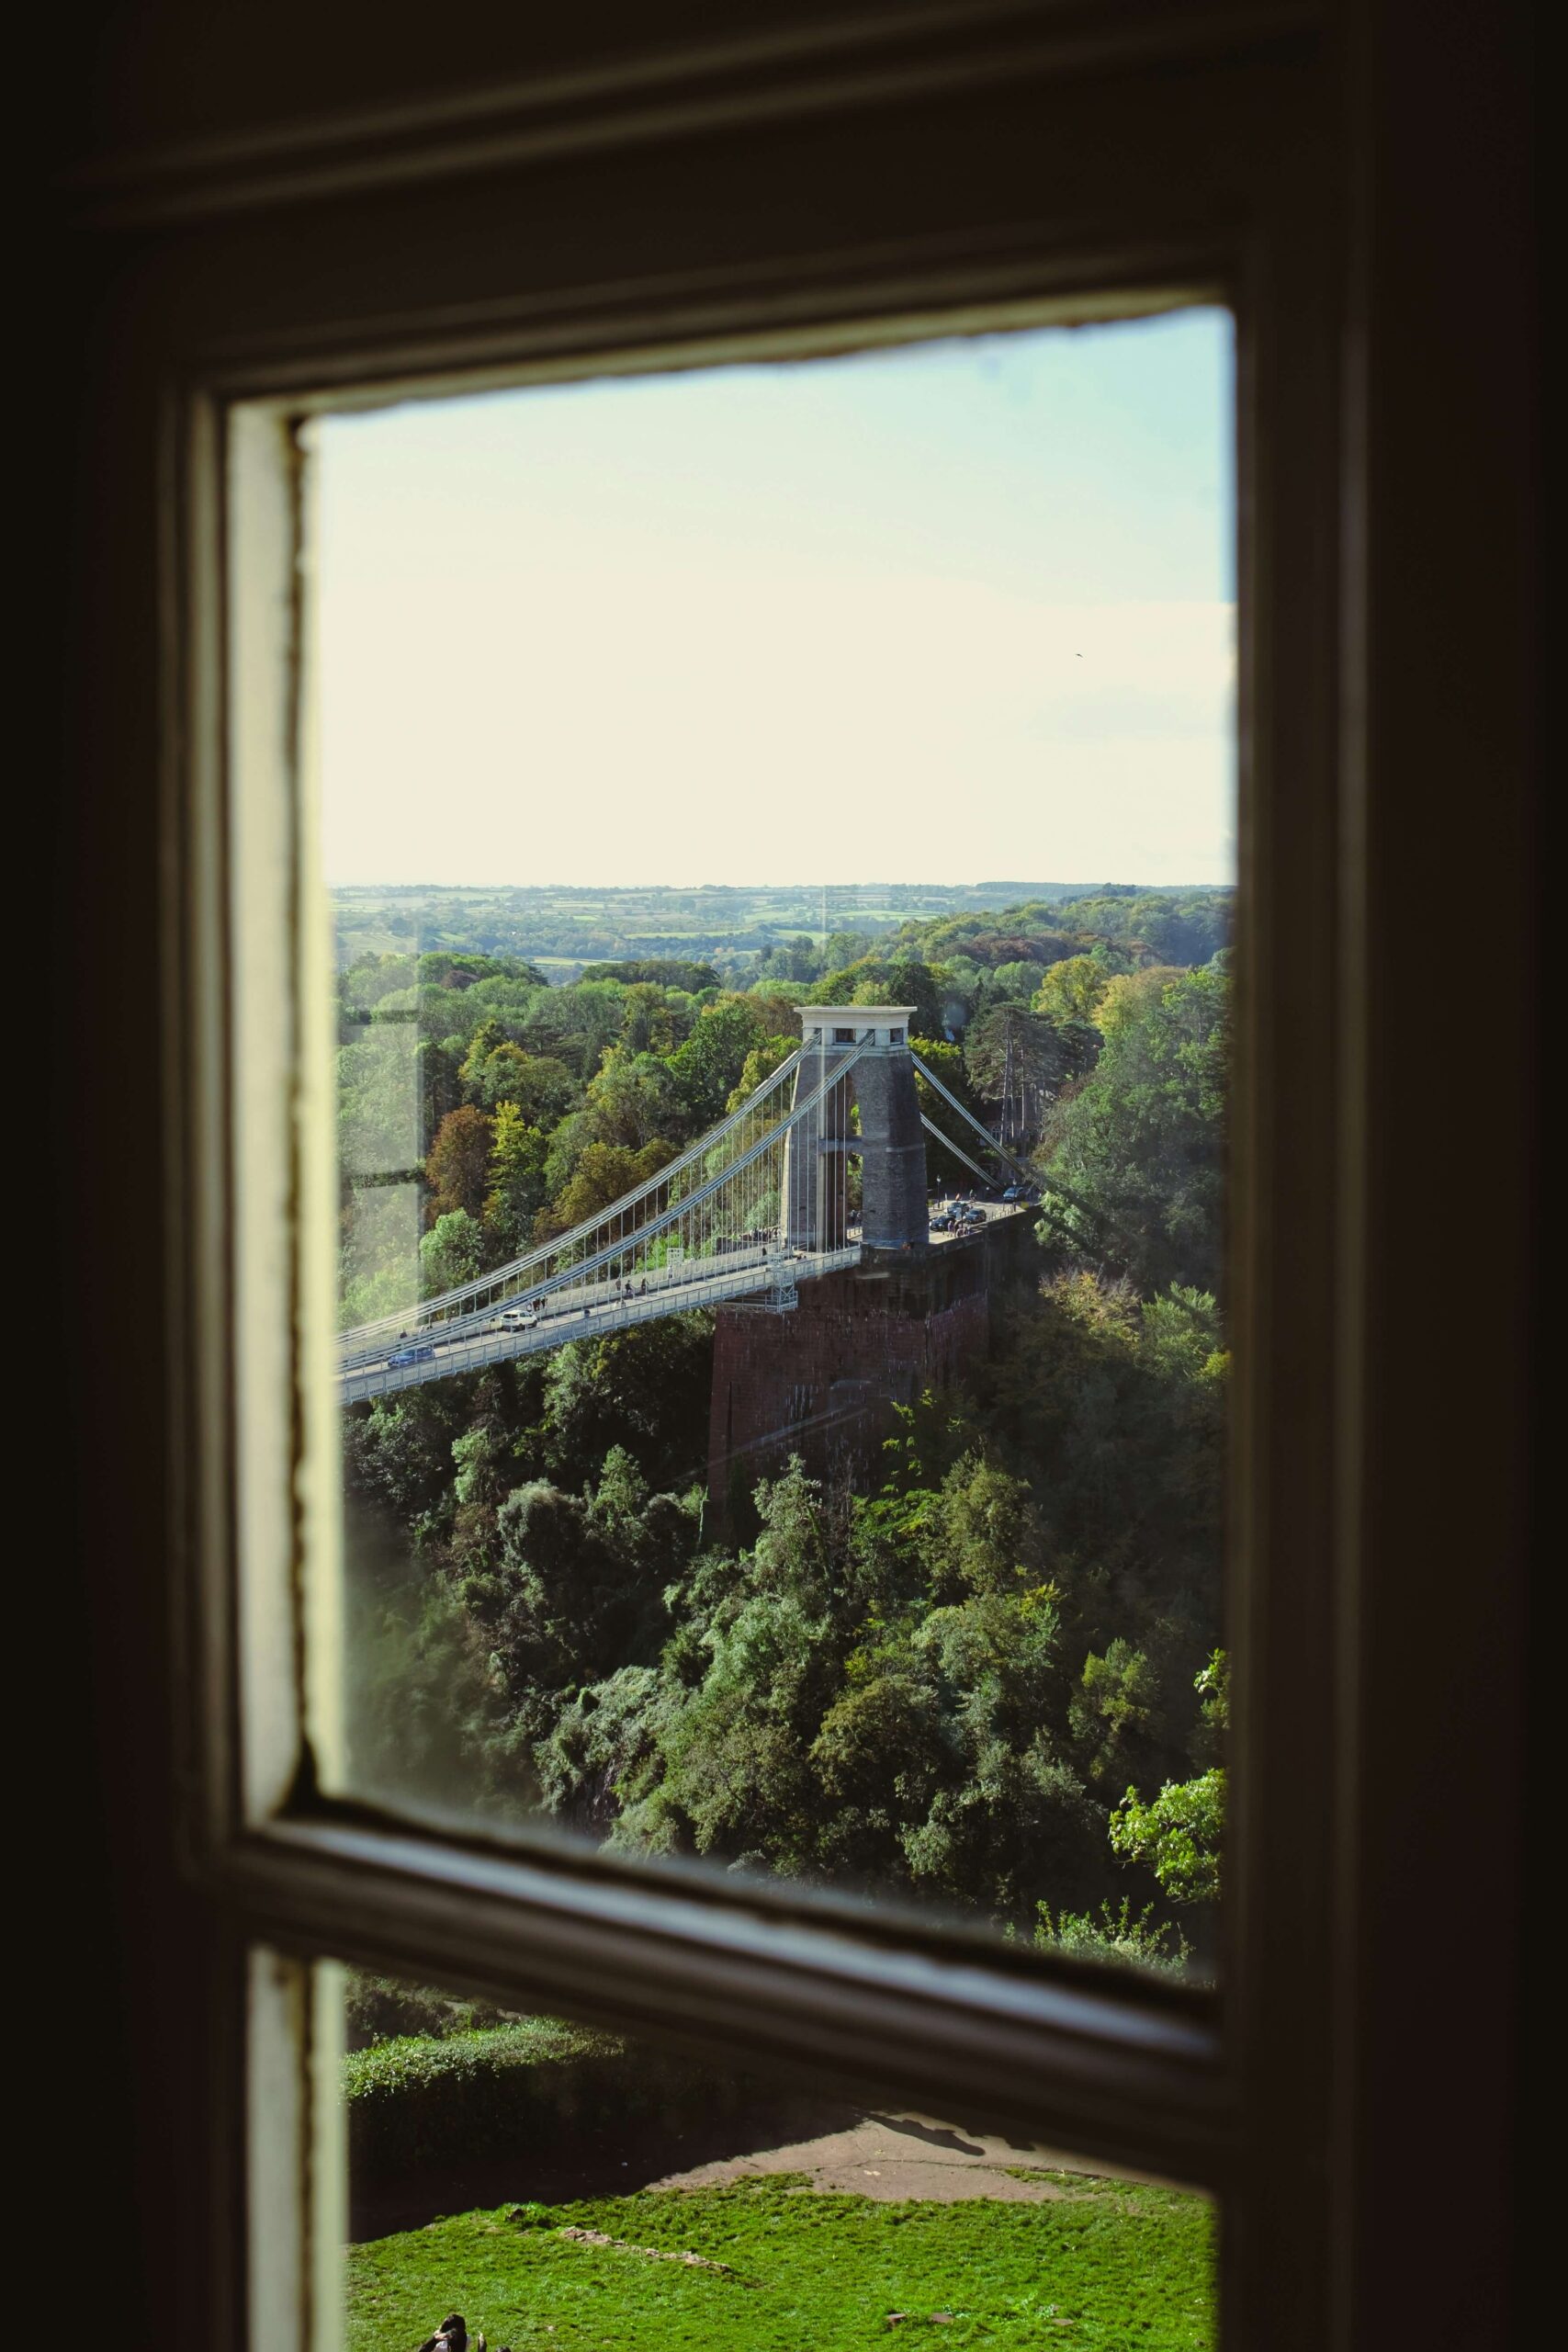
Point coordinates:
[(401, 1356), (1013, 1192), (943, 1222)]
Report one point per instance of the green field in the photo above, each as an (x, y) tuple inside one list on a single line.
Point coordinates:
[(1107, 2266), (561, 928)]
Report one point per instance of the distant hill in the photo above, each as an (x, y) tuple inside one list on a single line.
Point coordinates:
[(731, 927)]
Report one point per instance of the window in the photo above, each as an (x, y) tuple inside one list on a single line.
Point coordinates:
[(1101, 174), (613, 1265), (574, 1466)]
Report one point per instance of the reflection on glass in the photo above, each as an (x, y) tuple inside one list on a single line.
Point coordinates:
[(784, 1358), (546, 2185)]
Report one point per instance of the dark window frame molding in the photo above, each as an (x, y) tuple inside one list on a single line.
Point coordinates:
[(1253, 157)]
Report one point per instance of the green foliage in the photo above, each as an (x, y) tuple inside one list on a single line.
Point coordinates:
[(1171, 926), (603, 1172), (450, 1252), (384, 2009), (1103, 2264), (1009, 1043), (426, 2100), (1115, 1713), (1139, 1146), (1116, 1934), (645, 1389), (1069, 992), (937, 1688), (759, 1065), (516, 1179), (1213, 1687), (946, 1061), (1179, 1834), (657, 971), (879, 979), (707, 1068)]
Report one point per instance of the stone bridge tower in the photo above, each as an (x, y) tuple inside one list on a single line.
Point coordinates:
[(901, 1316), (890, 1143)]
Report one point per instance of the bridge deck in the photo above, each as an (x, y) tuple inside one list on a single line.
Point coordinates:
[(594, 1309)]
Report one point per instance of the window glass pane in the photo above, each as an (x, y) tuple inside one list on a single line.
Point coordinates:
[(542, 2183), (783, 1356)]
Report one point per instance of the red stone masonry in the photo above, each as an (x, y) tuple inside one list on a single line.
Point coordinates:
[(822, 1381)]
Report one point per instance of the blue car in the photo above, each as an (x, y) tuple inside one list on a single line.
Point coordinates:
[(401, 1356)]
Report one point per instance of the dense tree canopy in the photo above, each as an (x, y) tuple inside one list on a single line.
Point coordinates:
[(989, 1678)]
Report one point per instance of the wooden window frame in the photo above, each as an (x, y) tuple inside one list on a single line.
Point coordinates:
[(1112, 160)]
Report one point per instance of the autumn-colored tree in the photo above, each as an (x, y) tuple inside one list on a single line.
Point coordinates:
[(1131, 994), (603, 1173), (1071, 990), (458, 1169)]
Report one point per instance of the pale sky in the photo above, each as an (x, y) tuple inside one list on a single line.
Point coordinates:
[(938, 614)]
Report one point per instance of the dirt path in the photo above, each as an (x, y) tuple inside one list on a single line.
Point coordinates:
[(894, 2157), (887, 2156)]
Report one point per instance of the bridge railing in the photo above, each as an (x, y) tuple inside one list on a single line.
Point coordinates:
[(501, 1281), (708, 1223), (472, 1351)]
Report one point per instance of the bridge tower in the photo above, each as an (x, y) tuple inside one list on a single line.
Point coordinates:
[(890, 1143)]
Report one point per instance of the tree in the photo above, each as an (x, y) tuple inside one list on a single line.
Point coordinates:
[(574, 1025), (516, 1177), (1128, 996), (946, 1062), (1071, 990), (980, 1534), (759, 1064), (709, 1066), (1139, 1147), (542, 1089), (645, 1389), (632, 1099), (1018, 1059), (440, 1088), (650, 1024), (487, 1039), (1012, 983), (789, 959), (458, 1169), (1178, 1834), (604, 1172), (1115, 1713), (450, 1253)]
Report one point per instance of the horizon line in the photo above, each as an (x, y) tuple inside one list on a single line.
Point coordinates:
[(619, 890)]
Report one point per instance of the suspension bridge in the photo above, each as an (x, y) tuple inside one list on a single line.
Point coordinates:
[(754, 1207)]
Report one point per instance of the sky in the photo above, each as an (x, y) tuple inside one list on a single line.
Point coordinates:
[(956, 610)]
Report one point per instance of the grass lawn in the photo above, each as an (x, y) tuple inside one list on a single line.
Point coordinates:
[(1109, 2267)]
